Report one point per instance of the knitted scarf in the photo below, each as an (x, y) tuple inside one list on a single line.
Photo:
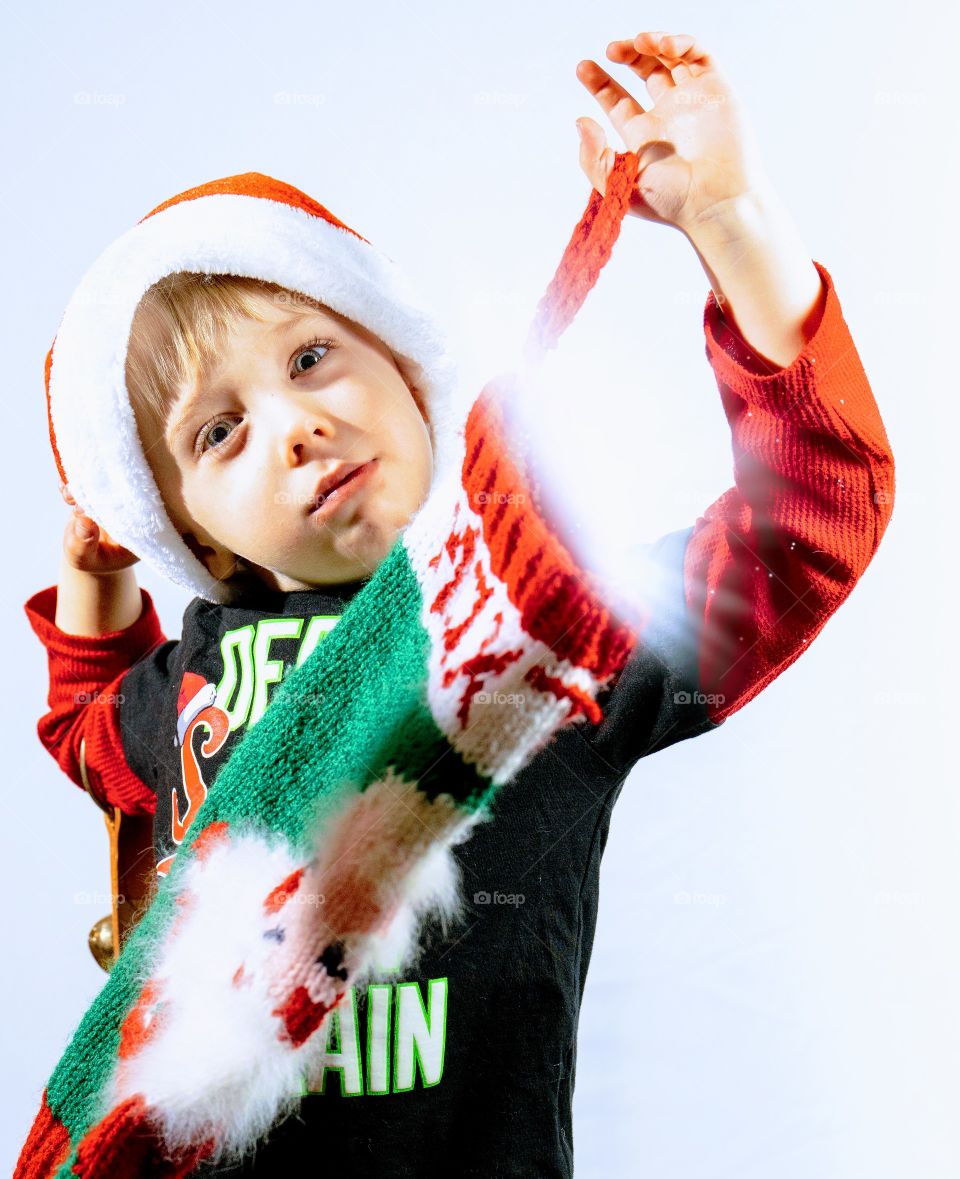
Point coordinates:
[(324, 844)]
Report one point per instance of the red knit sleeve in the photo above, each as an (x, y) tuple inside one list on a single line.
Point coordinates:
[(770, 561), (84, 697)]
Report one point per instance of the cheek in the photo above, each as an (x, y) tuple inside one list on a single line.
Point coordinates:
[(407, 425), (220, 500)]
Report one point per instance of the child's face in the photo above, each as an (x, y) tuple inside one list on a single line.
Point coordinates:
[(238, 467)]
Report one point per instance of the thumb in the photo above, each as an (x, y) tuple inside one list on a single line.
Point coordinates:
[(84, 527), (596, 157)]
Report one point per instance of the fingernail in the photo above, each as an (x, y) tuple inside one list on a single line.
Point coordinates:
[(84, 531)]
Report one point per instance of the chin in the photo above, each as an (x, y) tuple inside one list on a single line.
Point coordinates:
[(372, 547)]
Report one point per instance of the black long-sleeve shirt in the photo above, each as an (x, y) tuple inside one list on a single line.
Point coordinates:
[(466, 1067)]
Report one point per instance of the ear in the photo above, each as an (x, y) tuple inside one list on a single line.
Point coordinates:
[(420, 402), (218, 561)]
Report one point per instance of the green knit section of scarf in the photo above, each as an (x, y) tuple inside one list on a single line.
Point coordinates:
[(354, 707)]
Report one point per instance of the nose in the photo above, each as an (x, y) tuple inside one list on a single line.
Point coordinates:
[(302, 438)]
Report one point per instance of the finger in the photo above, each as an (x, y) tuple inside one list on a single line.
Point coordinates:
[(662, 57), (84, 528), (79, 550), (647, 66), (619, 104), (672, 47), (596, 156)]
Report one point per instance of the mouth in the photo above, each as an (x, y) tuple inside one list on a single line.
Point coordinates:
[(335, 486)]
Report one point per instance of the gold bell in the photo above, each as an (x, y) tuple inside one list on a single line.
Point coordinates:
[(100, 941)]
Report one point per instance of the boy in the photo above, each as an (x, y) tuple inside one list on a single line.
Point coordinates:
[(481, 1038)]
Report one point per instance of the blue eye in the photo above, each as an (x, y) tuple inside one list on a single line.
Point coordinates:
[(206, 432), (312, 347)]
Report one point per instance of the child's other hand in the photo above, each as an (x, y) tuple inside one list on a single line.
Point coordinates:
[(88, 547), (696, 149)]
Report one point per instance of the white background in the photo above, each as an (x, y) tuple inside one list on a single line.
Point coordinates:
[(799, 1018)]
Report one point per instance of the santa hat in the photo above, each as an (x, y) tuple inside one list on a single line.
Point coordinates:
[(250, 225), (194, 696)]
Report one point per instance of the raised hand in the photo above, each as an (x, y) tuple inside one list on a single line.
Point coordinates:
[(90, 548), (697, 150)]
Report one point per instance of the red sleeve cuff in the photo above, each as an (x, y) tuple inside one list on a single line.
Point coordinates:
[(117, 648), (755, 379), (824, 388)]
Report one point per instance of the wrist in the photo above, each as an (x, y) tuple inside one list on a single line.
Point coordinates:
[(749, 217), (762, 274), (94, 604)]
